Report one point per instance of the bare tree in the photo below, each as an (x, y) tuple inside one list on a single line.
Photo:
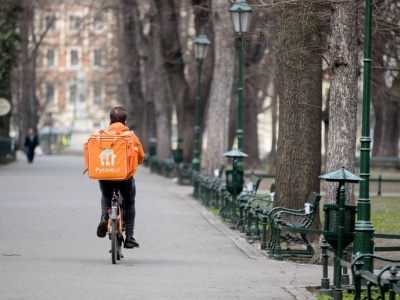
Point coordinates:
[(254, 84), (27, 111), (130, 64), (220, 95), (202, 21), (168, 12), (157, 84), (385, 61), (343, 94), (300, 85)]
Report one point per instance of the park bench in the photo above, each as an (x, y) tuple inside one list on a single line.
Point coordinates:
[(295, 222), (252, 186), (385, 279), (167, 167), (253, 208), (231, 206), (207, 187)]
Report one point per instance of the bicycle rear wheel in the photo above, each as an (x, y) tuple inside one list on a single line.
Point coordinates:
[(119, 249), (114, 241)]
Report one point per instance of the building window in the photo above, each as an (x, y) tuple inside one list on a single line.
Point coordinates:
[(72, 94), (97, 58), (50, 93), (74, 58), (97, 93), (74, 22), (98, 22), (50, 58), (51, 22)]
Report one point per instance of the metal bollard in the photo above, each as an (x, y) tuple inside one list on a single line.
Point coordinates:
[(325, 285)]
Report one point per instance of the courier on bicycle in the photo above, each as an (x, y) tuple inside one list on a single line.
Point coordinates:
[(126, 186)]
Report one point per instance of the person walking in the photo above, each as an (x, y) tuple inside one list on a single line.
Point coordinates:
[(127, 187), (31, 141)]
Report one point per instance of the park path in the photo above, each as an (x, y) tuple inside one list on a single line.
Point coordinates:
[(49, 248)]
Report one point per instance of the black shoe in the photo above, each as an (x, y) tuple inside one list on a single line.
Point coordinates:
[(130, 242), (102, 227)]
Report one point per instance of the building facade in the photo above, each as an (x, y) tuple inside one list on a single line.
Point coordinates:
[(77, 75)]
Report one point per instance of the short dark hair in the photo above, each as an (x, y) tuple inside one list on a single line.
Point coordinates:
[(118, 114)]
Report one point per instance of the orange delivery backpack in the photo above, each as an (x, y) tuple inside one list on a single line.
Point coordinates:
[(109, 155)]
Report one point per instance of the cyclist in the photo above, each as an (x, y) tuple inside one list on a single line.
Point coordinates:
[(127, 187)]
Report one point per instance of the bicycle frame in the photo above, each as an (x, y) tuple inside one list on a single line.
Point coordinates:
[(115, 226), (115, 211)]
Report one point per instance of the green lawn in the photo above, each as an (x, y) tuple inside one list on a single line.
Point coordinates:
[(385, 214), (351, 296)]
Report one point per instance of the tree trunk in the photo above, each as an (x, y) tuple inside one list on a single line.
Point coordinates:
[(27, 104), (384, 100), (220, 95), (157, 87), (253, 83), (173, 59), (202, 21), (387, 114), (274, 127), (273, 88), (300, 85), (343, 96), (131, 38)]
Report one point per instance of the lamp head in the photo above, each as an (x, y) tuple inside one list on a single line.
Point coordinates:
[(241, 16), (200, 46)]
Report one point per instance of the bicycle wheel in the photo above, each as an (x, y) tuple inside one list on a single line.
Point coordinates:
[(120, 233), (119, 249), (114, 241)]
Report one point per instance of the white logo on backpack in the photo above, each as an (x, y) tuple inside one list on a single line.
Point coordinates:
[(105, 157)]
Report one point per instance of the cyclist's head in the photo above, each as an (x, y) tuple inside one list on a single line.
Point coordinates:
[(118, 114)]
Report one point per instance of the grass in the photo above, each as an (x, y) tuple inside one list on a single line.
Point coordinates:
[(385, 214), (351, 296)]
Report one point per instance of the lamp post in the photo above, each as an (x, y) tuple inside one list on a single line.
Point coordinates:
[(364, 231), (200, 49), (241, 17)]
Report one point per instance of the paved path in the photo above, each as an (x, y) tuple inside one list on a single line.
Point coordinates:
[(49, 248)]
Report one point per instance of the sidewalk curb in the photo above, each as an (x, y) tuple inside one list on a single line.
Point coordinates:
[(298, 292), (239, 241)]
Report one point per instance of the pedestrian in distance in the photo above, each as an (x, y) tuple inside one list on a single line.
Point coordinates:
[(127, 187), (31, 141)]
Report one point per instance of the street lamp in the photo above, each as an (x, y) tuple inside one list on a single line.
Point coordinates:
[(200, 49), (241, 17), (364, 230)]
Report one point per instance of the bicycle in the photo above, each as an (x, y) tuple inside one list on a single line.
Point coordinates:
[(116, 225)]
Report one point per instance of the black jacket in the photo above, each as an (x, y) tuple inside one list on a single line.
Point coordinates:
[(31, 143)]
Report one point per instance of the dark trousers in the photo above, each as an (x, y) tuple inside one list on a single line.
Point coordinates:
[(128, 192), (30, 153)]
